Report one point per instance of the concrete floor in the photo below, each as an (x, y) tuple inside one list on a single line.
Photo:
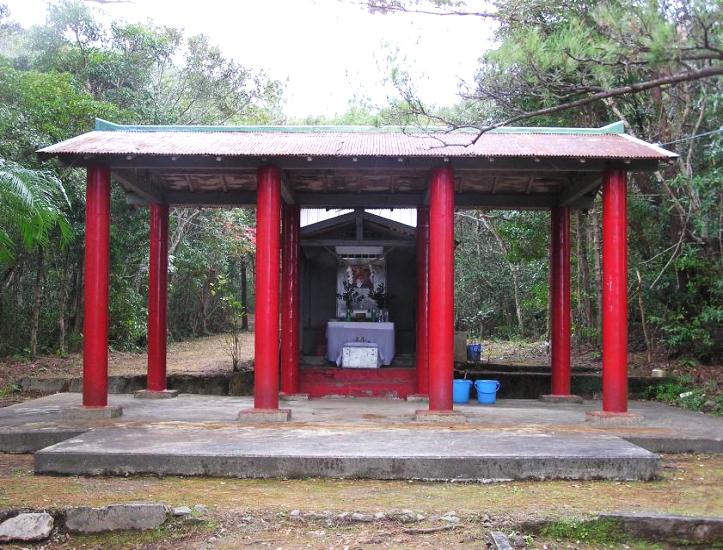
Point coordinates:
[(353, 437), (517, 414)]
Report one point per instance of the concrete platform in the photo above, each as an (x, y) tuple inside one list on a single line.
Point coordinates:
[(33, 425), (374, 454)]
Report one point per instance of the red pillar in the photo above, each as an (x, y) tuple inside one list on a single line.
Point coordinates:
[(560, 296), (266, 338), (441, 289), (95, 307), (290, 301), (157, 297), (615, 297), (422, 300)]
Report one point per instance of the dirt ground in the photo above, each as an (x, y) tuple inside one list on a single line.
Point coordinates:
[(275, 513), (207, 355)]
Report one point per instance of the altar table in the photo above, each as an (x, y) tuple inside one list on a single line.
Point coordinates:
[(339, 333)]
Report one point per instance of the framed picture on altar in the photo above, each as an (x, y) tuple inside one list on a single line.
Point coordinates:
[(365, 275)]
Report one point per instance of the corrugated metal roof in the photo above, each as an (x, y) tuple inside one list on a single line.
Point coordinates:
[(368, 143)]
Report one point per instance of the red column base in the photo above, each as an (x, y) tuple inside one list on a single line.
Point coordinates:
[(440, 417), (605, 418), (553, 398), (155, 394), (263, 416)]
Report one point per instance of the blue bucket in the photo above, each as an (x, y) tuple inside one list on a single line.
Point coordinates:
[(460, 391), (486, 391), (474, 352)]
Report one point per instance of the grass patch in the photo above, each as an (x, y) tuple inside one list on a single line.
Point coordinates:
[(590, 531), (170, 531), (10, 389), (596, 531)]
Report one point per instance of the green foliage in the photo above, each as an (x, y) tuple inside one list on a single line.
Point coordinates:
[(684, 392), (31, 206), (597, 531), (488, 269), (549, 53), (10, 389), (54, 80)]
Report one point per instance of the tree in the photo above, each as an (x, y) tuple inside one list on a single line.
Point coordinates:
[(54, 79), (654, 65), (134, 66)]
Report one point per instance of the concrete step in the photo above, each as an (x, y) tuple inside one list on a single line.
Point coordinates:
[(430, 454)]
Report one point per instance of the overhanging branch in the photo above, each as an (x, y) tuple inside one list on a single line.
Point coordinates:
[(635, 88)]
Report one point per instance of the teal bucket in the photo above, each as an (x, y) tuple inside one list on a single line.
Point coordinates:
[(460, 391), (486, 391)]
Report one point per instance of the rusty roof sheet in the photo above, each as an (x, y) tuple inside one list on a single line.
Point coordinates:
[(529, 144)]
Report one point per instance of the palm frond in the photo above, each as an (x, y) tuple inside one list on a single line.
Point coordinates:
[(32, 203)]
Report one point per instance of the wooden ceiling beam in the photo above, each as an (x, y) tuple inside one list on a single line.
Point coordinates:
[(287, 193), (230, 199), (355, 242), (242, 199), (581, 187), (140, 186)]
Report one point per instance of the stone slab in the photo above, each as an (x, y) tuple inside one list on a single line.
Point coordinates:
[(433, 454), (440, 417), (151, 394), (293, 396), (603, 418), (682, 530), (500, 541), (88, 413), (417, 398), (27, 527), (263, 416), (549, 398), (115, 517)]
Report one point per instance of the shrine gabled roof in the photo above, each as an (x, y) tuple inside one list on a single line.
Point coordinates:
[(609, 142)]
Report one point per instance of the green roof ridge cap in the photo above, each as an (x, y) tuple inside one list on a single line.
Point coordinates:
[(106, 126)]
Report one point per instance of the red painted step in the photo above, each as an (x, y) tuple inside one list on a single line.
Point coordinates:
[(384, 382)]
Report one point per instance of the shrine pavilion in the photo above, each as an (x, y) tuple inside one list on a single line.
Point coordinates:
[(280, 169)]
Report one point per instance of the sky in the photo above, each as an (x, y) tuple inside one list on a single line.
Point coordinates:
[(325, 51)]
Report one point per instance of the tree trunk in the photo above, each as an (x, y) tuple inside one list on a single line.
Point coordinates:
[(578, 315), (62, 305), (513, 271), (518, 304), (641, 307), (244, 296), (584, 270), (548, 313), (6, 281), (78, 298), (35, 310), (597, 264)]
